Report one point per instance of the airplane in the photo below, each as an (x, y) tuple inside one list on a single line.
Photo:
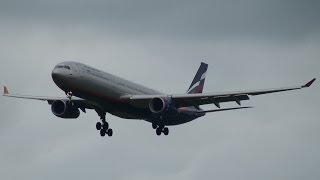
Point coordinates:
[(89, 88)]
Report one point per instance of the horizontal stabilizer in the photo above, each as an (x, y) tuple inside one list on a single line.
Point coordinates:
[(226, 109)]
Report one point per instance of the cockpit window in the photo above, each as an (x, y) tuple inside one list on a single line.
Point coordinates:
[(64, 67)]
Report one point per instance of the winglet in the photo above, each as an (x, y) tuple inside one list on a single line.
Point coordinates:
[(5, 90), (309, 83)]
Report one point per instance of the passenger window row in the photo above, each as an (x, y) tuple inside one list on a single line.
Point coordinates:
[(65, 67)]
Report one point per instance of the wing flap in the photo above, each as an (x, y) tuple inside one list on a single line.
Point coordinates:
[(226, 109), (209, 99)]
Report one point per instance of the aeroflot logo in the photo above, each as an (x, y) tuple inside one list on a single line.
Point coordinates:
[(198, 83)]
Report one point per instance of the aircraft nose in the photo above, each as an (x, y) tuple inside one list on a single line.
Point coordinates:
[(56, 75)]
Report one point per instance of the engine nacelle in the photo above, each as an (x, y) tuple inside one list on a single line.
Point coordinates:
[(158, 105), (64, 109)]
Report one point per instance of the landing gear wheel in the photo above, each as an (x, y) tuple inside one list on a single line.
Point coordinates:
[(154, 126), (102, 132), (105, 126), (165, 131), (110, 132), (98, 126), (158, 131)]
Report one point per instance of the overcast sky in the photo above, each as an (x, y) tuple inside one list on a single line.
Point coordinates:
[(248, 44)]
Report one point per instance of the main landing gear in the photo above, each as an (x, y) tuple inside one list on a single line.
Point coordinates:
[(160, 129), (103, 126)]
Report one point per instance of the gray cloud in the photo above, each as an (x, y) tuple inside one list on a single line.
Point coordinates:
[(248, 45), (181, 19)]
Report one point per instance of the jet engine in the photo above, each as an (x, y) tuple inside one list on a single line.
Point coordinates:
[(162, 107), (64, 109), (158, 105)]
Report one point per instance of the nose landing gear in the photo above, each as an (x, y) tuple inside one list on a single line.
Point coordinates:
[(69, 95)]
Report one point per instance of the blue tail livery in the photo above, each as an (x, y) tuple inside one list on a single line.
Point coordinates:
[(198, 81)]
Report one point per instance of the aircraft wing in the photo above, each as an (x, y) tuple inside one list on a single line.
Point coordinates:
[(184, 100), (81, 103)]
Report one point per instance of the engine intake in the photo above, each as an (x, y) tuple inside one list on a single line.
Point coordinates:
[(64, 109), (158, 105)]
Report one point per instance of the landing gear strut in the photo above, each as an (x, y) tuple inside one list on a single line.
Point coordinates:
[(103, 126), (160, 129), (69, 95)]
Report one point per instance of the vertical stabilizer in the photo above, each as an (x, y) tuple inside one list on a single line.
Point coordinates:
[(198, 81), (5, 90)]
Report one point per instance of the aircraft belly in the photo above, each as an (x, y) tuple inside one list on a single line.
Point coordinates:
[(172, 120), (125, 115), (177, 121)]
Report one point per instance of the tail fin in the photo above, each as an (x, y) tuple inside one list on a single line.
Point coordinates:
[(5, 90), (198, 81)]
